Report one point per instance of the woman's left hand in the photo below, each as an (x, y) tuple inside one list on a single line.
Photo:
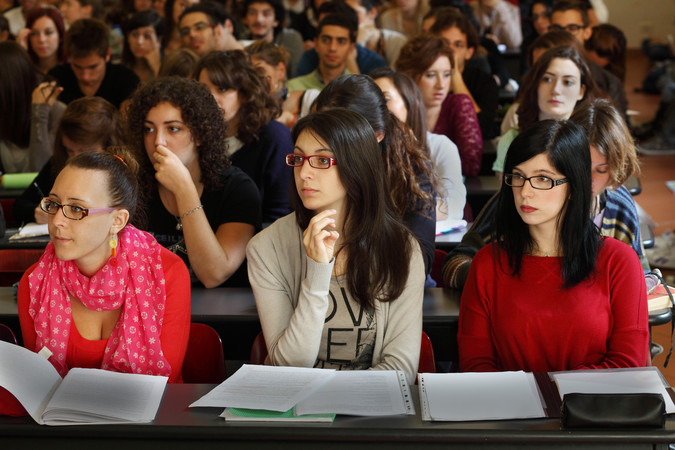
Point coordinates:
[(46, 93), (170, 171)]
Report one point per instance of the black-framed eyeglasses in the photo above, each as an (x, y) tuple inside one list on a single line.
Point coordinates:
[(539, 182), (199, 26), (571, 28), (316, 161), (72, 212)]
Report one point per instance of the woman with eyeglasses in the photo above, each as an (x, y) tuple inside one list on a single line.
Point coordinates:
[(549, 293), (104, 294), (338, 283), (199, 206)]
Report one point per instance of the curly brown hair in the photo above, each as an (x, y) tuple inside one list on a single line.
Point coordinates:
[(199, 111), (233, 70)]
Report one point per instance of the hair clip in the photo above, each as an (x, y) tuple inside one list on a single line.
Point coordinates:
[(120, 158)]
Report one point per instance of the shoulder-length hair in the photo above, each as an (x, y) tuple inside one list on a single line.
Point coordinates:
[(233, 70), (567, 148), (378, 245), (147, 18), (407, 163), (609, 42), (420, 52), (57, 18), (19, 78), (199, 112), (607, 131), (528, 111), (87, 121), (412, 99)]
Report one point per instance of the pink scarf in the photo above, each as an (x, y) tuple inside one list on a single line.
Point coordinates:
[(134, 281)]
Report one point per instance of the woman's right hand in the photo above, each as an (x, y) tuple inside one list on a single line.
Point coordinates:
[(319, 243), (46, 93)]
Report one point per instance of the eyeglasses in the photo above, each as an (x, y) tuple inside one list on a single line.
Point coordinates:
[(316, 161), (538, 182), (572, 28), (71, 212), (199, 26)]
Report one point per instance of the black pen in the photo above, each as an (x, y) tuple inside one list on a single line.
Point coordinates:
[(42, 195)]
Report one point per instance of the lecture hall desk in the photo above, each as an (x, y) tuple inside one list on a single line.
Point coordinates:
[(177, 427)]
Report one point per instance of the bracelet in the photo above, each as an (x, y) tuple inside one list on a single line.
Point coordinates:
[(180, 223)]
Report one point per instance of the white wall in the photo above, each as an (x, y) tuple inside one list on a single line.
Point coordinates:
[(639, 19)]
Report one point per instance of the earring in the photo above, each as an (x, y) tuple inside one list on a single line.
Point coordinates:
[(113, 249)]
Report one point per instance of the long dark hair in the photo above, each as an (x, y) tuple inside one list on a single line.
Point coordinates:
[(19, 77), (147, 18), (233, 70), (528, 111), (407, 163), (378, 245), (566, 146)]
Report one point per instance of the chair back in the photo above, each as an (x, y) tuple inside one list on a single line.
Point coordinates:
[(204, 359), (258, 350), (437, 267), (427, 363), (7, 335)]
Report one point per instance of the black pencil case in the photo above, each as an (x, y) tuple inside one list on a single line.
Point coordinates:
[(613, 411)]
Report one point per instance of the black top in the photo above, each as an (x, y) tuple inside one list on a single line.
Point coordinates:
[(237, 201), (485, 92), (118, 83)]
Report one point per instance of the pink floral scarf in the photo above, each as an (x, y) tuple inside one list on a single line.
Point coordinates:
[(134, 281)]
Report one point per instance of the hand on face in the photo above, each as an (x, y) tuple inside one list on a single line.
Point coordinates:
[(46, 93), (318, 241), (170, 171)]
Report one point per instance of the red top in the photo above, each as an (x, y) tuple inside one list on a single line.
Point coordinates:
[(459, 122), (89, 354), (528, 323)]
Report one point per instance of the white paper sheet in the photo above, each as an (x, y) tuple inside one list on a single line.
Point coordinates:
[(481, 396), (265, 387), (614, 381), (359, 393)]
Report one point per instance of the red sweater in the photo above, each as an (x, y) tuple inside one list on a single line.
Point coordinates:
[(89, 354), (528, 323)]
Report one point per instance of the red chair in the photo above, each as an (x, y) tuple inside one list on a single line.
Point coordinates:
[(14, 262), (7, 335), (427, 363), (204, 359), (437, 267)]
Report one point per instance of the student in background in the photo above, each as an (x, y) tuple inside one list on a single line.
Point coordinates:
[(499, 21), (549, 293), (428, 60), (205, 27), (44, 37), (142, 50), (405, 102), (89, 72), (142, 323), (409, 173), (27, 133), (342, 269), (607, 48), (171, 39), (74, 10), (180, 63), (405, 16), (198, 205), (87, 124), (555, 85), (256, 143)]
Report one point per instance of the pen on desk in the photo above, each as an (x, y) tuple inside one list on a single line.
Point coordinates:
[(42, 194)]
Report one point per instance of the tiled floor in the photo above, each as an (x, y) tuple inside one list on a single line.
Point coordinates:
[(656, 199)]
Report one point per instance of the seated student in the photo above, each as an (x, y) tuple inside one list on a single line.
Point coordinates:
[(411, 182), (256, 143), (499, 21), (87, 124), (428, 60), (142, 323), (363, 60), (558, 82), (338, 283), (549, 293), (171, 38), (74, 10), (607, 48), (404, 100), (44, 37), (89, 72), (536, 24), (179, 63), (142, 36), (27, 133), (467, 78), (199, 206), (613, 160), (405, 16), (205, 27)]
